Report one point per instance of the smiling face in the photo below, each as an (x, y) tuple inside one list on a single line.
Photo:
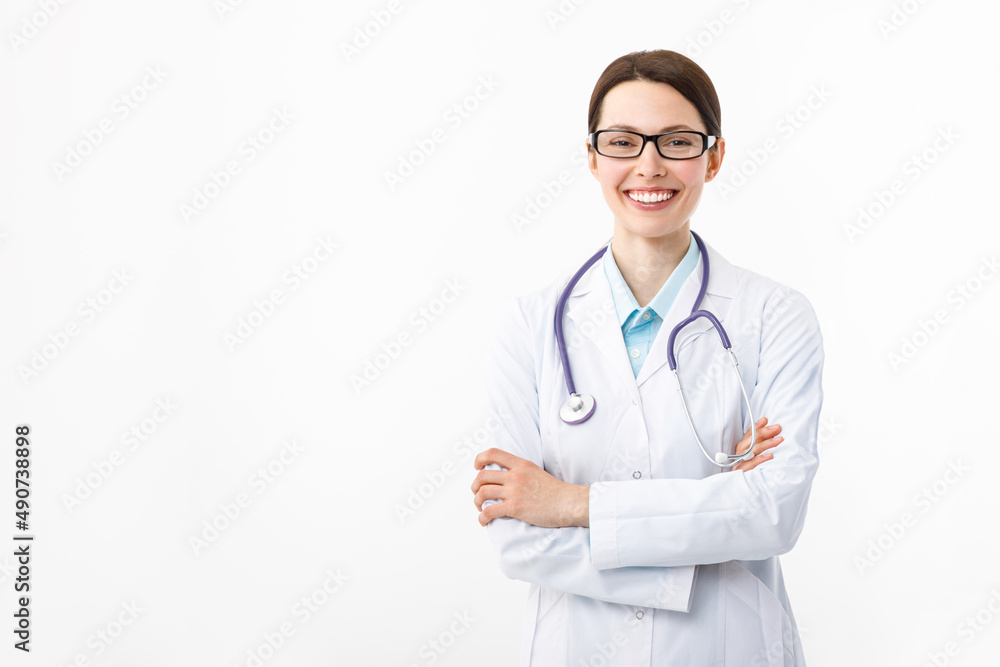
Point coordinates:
[(652, 108)]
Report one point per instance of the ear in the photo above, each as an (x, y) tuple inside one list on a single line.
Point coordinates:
[(592, 161), (715, 155)]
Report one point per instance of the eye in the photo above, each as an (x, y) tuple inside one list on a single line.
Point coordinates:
[(677, 141), (622, 140)]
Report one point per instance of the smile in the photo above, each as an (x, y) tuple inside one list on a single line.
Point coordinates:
[(647, 197)]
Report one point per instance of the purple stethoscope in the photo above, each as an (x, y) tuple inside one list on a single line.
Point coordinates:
[(580, 407)]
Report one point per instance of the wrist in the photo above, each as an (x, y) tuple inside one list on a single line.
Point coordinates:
[(579, 506)]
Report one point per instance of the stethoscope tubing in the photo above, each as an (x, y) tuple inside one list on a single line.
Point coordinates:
[(561, 306), (579, 407)]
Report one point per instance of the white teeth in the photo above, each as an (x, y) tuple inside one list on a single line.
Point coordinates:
[(651, 197)]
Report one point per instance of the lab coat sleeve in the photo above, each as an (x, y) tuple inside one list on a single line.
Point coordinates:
[(557, 558), (732, 515)]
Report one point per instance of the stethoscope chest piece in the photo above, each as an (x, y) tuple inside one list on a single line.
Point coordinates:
[(578, 408)]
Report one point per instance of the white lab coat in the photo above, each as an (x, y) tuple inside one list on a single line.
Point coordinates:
[(680, 563)]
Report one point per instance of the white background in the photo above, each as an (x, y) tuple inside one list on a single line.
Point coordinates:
[(894, 75)]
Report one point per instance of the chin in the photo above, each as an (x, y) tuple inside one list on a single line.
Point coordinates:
[(650, 227)]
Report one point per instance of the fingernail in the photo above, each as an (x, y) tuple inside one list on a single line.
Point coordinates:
[(779, 437)]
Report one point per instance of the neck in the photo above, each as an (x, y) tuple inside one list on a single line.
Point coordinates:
[(646, 262)]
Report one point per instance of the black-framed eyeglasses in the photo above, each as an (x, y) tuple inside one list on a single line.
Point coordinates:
[(680, 145)]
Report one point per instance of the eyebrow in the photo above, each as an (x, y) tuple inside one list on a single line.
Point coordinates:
[(668, 128)]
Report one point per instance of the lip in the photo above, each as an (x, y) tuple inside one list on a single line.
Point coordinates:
[(650, 207)]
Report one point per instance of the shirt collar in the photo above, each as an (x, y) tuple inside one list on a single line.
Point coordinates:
[(625, 303)]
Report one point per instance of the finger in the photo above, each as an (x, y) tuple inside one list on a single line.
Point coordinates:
[(498, 456), (487, 477), (762, 434), (742, 465), (488, 492), (760, 425), (758, 450), (491, 512), (768, 431), (754, 462), (762, 447)]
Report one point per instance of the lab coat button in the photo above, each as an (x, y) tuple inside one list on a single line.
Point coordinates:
[(639, 614), (635, 402), (636, 475), (635, 353)]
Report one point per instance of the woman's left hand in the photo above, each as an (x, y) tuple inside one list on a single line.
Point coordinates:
[(767, 437), (527, 493)]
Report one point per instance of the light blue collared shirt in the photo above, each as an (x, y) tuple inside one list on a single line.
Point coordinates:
[(640, 325)]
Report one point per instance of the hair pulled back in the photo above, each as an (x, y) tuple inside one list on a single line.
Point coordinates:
[(662, 66)]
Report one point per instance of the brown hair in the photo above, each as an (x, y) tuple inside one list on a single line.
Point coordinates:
[(661, 66)]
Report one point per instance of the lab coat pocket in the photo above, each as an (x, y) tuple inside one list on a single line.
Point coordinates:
[(758, 630)]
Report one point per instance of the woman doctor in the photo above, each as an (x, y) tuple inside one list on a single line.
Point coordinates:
[(638, 548)]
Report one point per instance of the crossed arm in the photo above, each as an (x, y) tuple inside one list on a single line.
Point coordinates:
[(531, 494), (619, 541)]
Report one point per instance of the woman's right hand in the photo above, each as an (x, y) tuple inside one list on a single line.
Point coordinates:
[(767, 437)]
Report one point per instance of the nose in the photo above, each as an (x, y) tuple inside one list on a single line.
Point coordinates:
[(650, 163)]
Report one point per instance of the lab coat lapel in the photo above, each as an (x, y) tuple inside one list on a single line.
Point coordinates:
[(591, 308), (721, 286)]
